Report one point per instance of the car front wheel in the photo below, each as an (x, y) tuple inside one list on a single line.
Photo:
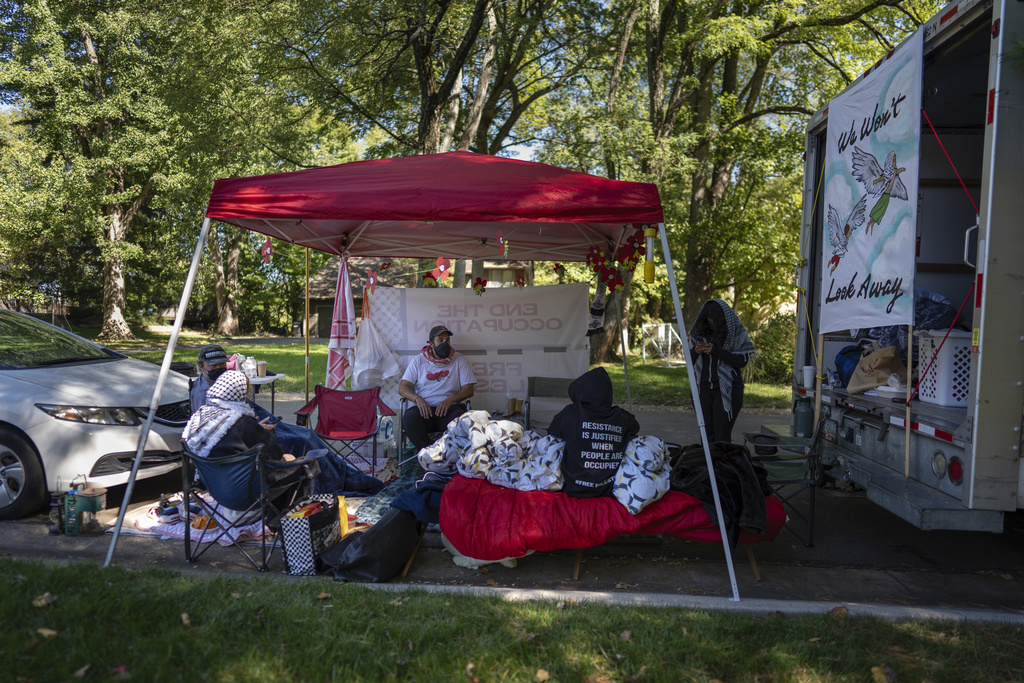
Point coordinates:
[(22, 486)]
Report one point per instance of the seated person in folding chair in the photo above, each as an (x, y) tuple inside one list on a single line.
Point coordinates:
[(437, 381), (227, 424), (210, 364)]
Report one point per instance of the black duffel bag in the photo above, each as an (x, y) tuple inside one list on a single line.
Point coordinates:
[(378, 554)]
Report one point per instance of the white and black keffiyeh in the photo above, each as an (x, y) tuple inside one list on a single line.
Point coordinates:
[(225, 404), (736, 342)]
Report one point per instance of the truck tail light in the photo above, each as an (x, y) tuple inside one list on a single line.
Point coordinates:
[(956, 470)]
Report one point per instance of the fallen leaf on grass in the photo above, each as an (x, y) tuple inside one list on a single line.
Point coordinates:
[(883, 673), (626, 635), (81, 672), (324, 596), (186, 620), (814, 640), (236, 596), (46, 632), (639, 674), (541, 675), (838, 612), (44, 599), (469, 672)]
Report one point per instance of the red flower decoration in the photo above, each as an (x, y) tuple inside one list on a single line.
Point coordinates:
[(559, 269), (479, 286), (520, 281), (429, 280), (371, 281), (443, 269), (615, 281), (595, 258), (384, 266)]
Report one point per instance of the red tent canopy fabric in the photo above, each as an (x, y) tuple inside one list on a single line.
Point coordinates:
[(453, 204)]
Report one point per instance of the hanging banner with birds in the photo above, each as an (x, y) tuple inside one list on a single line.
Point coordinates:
[(870, 197)]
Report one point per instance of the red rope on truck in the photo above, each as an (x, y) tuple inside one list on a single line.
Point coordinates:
[(952, 165), (971, 199)]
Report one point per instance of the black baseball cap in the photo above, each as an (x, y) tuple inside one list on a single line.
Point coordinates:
[(212, 354), (438, 329)]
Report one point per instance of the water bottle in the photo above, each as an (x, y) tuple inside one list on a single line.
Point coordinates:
[(803, 418)]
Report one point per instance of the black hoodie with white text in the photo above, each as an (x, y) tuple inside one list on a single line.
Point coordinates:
[(596, 434)]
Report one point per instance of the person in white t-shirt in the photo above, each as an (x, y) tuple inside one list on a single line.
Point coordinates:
[(437, 381)]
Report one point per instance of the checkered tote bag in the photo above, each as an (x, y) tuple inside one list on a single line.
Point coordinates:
[(306, 538)]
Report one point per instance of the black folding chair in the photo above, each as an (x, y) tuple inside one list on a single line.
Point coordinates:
[(794, 467), (246, 488), (545, 396)]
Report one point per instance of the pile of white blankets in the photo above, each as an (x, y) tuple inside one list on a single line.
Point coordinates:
[(505, 454)]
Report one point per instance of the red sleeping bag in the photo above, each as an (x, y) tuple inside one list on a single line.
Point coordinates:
[(490, 523)]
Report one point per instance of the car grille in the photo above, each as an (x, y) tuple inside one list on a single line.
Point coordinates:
[(173, 414), (114, 463)]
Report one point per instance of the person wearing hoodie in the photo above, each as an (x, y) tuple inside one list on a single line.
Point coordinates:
[(721, 349), (596, 434), (438, 381)]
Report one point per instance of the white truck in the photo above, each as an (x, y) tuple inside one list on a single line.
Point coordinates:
[(963, 468)]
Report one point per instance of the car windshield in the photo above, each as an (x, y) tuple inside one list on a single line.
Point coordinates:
[(26, 342)]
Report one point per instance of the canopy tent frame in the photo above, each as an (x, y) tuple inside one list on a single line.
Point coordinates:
[(557, 215)]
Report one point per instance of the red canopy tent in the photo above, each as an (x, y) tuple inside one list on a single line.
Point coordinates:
[(453, 204)]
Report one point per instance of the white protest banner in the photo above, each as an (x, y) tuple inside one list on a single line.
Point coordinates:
[(507, 334), (870, 199)]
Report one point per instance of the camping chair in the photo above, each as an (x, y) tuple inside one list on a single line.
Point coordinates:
[(545, 396), (347, 420), (242, 496), (406, 451), (793, 465)]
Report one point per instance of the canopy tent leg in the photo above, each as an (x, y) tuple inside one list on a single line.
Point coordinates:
[(154, 403), (694, 392), (625, 364)]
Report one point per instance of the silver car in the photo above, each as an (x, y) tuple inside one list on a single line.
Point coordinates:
[(71, 412)]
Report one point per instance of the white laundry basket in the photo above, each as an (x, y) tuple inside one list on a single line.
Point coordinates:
[(948, 381)]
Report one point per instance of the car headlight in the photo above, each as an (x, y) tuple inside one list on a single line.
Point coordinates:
[(90, 415)]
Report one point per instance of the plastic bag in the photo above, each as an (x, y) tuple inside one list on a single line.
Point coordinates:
[(374, 361)]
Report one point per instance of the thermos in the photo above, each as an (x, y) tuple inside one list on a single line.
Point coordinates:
[(803, 418)]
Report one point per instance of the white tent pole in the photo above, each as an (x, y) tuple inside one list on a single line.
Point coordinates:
[(695, 393), (625, 365), (154, 403)]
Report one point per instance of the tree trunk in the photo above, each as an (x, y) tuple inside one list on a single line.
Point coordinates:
[(115, 327), (606, 347), (227, 310)]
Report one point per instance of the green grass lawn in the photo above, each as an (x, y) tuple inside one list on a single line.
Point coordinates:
[(157, 625), (650, 384)]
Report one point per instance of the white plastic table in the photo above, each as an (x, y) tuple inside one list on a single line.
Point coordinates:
[(269, 379)]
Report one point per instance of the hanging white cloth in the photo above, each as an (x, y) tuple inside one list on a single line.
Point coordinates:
[(341, 347)]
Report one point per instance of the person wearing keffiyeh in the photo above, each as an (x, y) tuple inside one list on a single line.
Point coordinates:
[(721, 348), (226, 424)]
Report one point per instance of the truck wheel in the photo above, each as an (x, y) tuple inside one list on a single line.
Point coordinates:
[(22, 486)]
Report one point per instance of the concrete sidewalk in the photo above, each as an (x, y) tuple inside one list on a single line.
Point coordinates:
[(865, 559)]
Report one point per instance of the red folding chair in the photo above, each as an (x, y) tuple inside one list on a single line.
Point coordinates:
[(346, 420)]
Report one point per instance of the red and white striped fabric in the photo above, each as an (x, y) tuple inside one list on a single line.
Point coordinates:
[(341, 348)]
